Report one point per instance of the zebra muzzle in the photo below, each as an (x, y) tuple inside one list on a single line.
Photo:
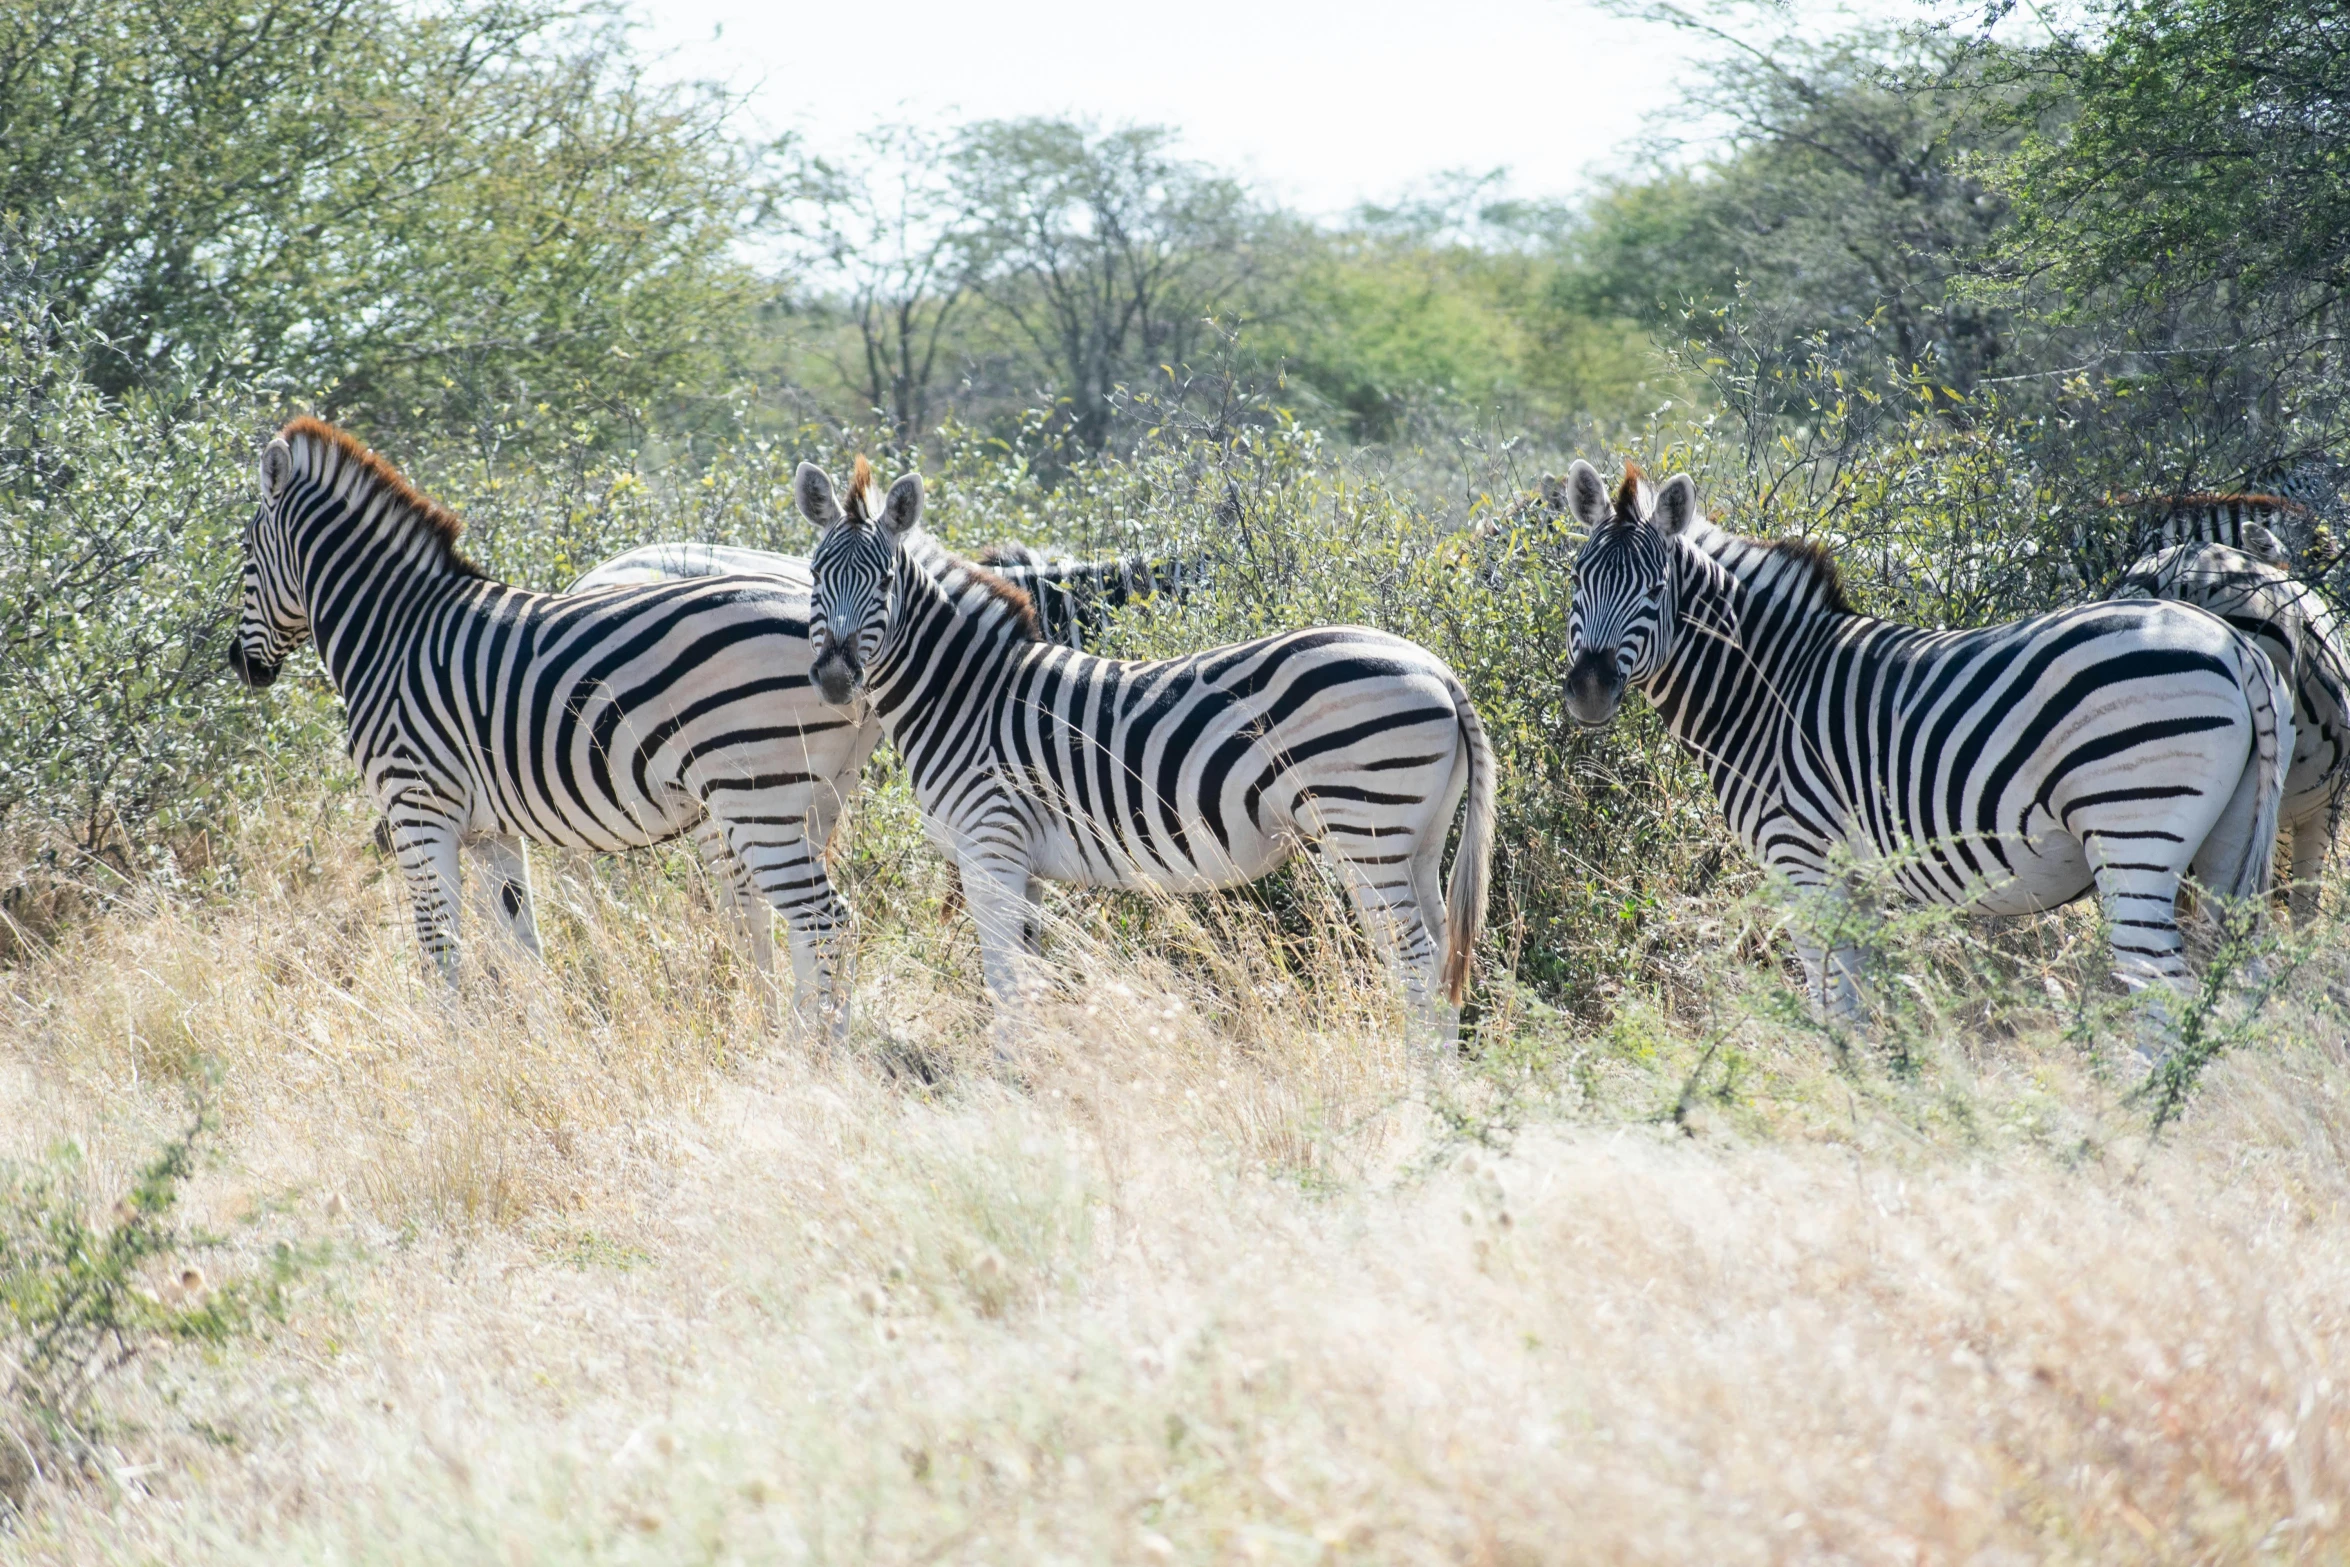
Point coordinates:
[(254, 672), (1594, 688), (836, 677)]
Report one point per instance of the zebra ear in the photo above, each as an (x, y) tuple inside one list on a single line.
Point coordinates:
[(903, 508), (2263, 545), (277, 466), (812, 488), (1676, 503), (1587, 496)]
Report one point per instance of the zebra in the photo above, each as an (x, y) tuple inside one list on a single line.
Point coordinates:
[(2111, 747), (1083, 593), (1032, 760), (483, 713), (2270, 528), (2292, 625), (1074, 599)]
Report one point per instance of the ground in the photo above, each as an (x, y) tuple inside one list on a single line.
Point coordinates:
[(603, 1270)]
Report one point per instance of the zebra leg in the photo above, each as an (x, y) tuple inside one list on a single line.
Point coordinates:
[(1831, 980), (789, 873), (507, 864), (830, 798), (1388, 898), (997, 895), (2313, 841), (2141, 905), (748, 915), (426, 847)]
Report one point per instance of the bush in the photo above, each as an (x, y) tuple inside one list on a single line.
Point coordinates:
[(79, 1302), (121, 522)]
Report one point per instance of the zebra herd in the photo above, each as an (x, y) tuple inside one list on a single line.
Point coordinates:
[(734, 696)]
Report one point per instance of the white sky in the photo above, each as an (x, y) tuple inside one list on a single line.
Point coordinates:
[(1322, 103)]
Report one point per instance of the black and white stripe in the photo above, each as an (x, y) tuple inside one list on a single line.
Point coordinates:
[(2289, 622), (480, 713), (1076, 600), (1035, 760), (2114, 747)]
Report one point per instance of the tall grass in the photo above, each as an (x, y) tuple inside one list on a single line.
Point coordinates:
[(1211, 1272)]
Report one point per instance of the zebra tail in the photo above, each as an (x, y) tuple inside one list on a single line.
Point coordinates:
[(2272, 744), (1472, 864)]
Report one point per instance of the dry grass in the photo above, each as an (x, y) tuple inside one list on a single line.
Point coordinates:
[(1214, 1275)]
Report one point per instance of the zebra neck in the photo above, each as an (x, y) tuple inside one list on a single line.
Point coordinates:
[(1745, 631), (360, 572), (955, 633)]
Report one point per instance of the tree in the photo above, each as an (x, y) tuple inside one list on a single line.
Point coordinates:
[(1847, 200), (1104, 253), (880, 237), (424, 215), (2185, 189)]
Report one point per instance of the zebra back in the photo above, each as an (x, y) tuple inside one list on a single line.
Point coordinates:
[(1074, 599), (2268, 528)]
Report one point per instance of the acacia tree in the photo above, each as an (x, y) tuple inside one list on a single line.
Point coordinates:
[(1104, 252), (880, 238), (1848, 195)]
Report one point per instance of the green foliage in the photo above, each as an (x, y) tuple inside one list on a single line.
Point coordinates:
[(1847, 200), (2193, 143), (437, 213), (80, 1301), (1447, 312), (121, 522)]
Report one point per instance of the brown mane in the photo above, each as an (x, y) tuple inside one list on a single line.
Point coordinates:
[(1814, 559), (2194, 498), (863, 505), (1628, 494), (1022, 607), (428, 514)]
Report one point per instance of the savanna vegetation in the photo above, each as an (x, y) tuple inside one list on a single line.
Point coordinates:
[(301, 1259)]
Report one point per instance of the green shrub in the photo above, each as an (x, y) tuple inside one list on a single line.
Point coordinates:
[(80, 1301)]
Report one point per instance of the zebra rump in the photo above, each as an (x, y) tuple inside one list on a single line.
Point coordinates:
[(2290, 623), (2114, 747)]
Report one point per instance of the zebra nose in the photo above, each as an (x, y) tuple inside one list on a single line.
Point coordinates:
[(1594, 687), (835, 674), (252, 671)]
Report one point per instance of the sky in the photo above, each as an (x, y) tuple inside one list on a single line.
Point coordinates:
[(1321, 103)]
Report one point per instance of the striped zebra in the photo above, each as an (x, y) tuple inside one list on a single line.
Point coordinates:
[(2112, 747), (2270, 528), (481, 713), (1032, 760), (1083, 593), (2292, 625), (1074, 600)]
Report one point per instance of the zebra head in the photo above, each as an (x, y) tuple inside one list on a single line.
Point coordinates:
[(275, 619), (854, 606), (1620, 627)]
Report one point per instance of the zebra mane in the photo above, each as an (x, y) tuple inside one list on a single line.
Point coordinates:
[(1023, 608), (1815, 561), (1013, 555), (340, 460), (863, 502), (2197, 499)]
